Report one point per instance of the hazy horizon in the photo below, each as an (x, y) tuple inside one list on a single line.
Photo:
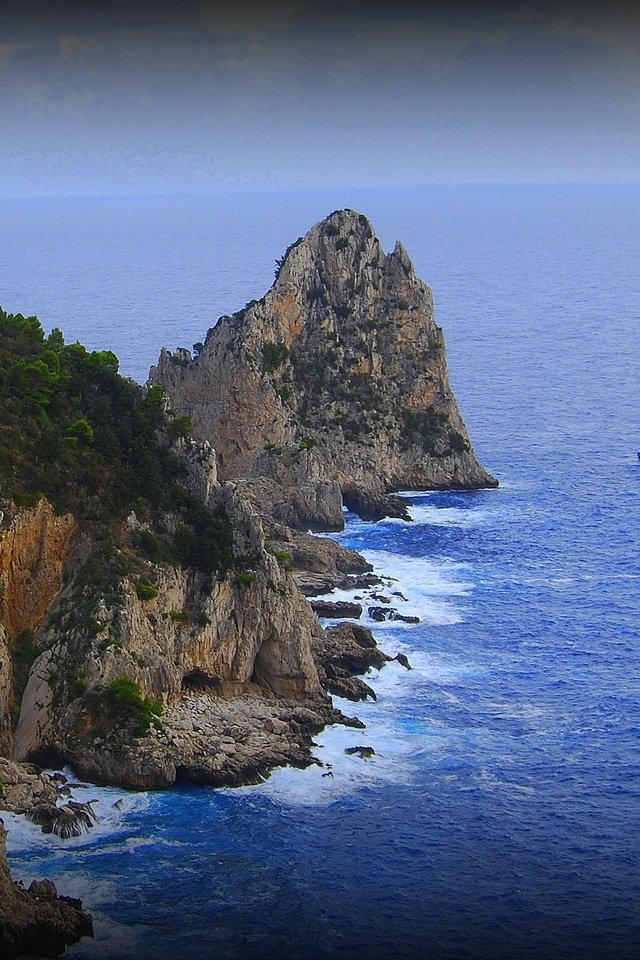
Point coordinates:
[(290, 94)]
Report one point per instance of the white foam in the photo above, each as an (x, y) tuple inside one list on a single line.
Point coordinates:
[(396, 740), (427, 514), (111, 938), (111, 819), (429, 585), (435, 576), (340, 773)]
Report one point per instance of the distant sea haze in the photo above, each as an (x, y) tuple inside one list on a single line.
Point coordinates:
[(498, 818)]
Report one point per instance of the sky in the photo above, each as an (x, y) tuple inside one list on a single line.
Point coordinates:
[(198, 96)]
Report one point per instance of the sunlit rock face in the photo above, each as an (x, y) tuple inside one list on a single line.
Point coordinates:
[(331, 389)]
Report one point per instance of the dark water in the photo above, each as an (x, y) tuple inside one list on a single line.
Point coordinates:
[(500, 817)]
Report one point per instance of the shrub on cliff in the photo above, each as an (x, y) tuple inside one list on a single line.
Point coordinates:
[(127, 703), (273, 355)]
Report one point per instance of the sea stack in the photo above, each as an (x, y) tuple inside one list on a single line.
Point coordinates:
[(332, 389)]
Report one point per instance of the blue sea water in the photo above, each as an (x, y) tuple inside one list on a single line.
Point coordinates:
[(500, 816)]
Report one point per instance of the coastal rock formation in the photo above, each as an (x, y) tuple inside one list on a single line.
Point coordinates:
[(6, 730), (341, 653), (125, 634), (34, 545), (239, 665), (37, 921), (173, 632), (319, 564), (341, 609), (152, 625), (331, 389)]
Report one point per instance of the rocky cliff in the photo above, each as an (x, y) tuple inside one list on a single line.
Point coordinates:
[(152, 624), (332, 388), (175, 632), (139, 670), (148, 629), (34, 545), (36, 921)]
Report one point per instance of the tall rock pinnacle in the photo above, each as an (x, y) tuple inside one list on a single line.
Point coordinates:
[(333, 387)]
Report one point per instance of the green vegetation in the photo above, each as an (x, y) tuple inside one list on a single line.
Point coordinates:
[(72, 429), (273, 355), (78, 684), (245, 577), (181, 426), (285, 392), (285, 559), (427, 428), (155, 394), (205, 539), (281, 260), (457, 442), (128, 705), (155, 548), (146, 590)]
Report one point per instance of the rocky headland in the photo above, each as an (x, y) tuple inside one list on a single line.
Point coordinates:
[(155, 554), (332, 389)]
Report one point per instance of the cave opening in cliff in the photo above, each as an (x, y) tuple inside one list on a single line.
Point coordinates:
[(49, 758), (197, 681)]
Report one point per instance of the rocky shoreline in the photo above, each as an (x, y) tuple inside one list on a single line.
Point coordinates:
[(38, 920), (204, 738), (155, 625)]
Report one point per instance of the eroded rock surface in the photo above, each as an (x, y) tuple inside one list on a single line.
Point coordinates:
[(332, 388), (37, 921), (247, 632)]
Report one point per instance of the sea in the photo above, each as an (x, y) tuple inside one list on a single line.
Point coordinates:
[(499, 817)]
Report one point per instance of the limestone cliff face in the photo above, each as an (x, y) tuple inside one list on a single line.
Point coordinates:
[(6, 677), (33, 551), (246, 634), (34, 547), (332, 386)]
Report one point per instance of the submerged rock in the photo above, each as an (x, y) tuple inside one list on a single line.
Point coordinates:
[(390, 613), (70, 820), (403, 660), (365, 753)]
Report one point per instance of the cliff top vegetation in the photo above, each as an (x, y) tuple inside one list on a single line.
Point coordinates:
[(94, 443)]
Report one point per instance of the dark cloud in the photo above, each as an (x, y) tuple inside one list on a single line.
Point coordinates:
[(203, 95)]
